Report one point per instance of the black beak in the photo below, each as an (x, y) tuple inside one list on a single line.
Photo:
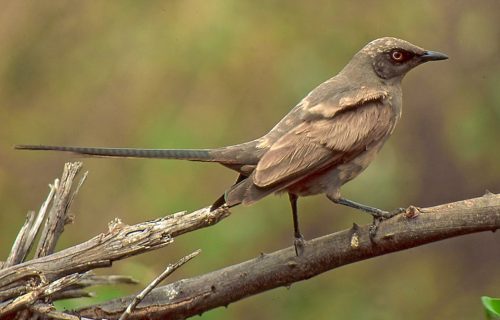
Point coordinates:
[(433, 56)]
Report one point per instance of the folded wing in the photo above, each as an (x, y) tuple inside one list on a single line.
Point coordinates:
[(315, 145)]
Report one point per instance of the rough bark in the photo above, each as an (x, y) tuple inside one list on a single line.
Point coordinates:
[(119, 242), (416, 227), (28, 287)]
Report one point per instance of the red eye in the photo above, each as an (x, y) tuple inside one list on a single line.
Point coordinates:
[(397, 56)]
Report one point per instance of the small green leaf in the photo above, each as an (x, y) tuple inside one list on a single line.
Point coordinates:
[(492, 307)]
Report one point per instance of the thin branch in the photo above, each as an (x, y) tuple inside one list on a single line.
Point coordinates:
[(41, 215), (24, 286), (17, 252), (94, 280), (54, 225), (28, 287), (168, 271), (71, 294), (29, 230), (416, 227), (43, 290), (119, 242), (16, 291), (89, 280), (48, 310), (77, 189)]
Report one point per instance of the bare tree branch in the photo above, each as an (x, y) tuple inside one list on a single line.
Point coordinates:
[(41, 291), (168, 271), (17, 252), (416, 227), (28, 232), (58, 215), (94, 280), (119, 242), (28, 287), (89, 280), (50, 311), (41, 216), (71, 294)]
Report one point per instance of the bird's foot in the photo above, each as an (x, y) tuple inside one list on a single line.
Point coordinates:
[(380, 216), (299, 243), (374, 227), (384, 215), (397, 211)]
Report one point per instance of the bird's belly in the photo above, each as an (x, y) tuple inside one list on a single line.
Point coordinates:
[(332, 178)]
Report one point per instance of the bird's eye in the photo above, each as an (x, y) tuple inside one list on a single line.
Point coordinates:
[(398, 56)]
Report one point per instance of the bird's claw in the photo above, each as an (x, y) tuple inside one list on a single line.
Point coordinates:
[(373, 228), (299, 244), (381, 216), (384, 215), (397, 211)]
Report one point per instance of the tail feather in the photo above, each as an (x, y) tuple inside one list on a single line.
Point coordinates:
[(222, 199), (183, 154), (246, 193)]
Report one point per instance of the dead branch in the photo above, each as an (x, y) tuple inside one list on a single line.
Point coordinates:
[(24, 285), (50, 311), (27, 287), (119, 242), (416, 227), (58, 215), (168, 271), (17, 253), (28, 232), (39, 292)]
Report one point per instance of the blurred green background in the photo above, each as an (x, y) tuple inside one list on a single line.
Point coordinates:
[(173, 74)]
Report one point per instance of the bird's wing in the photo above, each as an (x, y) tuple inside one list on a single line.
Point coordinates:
[(325, 101), (321, 103), (316, 144)]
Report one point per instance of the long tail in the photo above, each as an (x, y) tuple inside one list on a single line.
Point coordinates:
[(183, 154)]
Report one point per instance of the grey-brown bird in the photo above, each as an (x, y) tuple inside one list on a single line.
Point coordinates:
[(323, 142)]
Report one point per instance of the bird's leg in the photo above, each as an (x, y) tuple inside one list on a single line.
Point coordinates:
[(378, 215), (299, 239)]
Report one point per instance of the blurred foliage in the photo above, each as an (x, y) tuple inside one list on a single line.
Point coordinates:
[(198, 73)]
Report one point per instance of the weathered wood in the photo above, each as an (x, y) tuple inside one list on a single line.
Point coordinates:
[(49, 311), (416, 227), (71, 294), (28, 287), (29, 230), (168, 271), (94, 280), (37, 293), (58, 215), (17, 252), (119, 242), (89, 280)]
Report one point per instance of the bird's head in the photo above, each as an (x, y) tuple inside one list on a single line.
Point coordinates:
[(392, 58)]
